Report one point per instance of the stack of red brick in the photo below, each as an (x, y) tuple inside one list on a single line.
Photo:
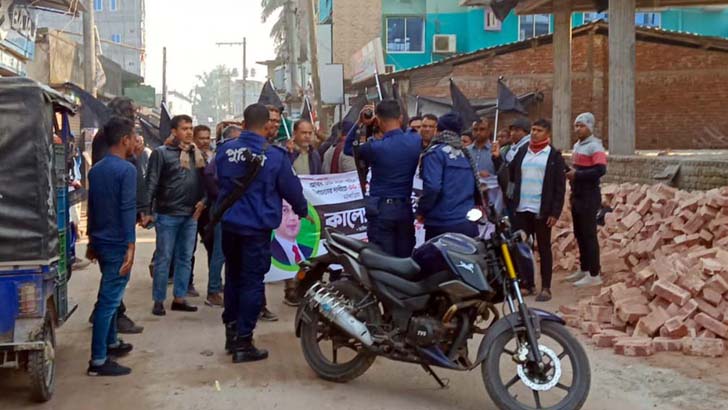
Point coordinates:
[(665, 259)]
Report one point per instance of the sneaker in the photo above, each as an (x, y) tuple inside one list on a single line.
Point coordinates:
[(183, 307), (589, 281), (127, 326), (214, 299), (120, 350), (267, 316), (576, 276), (544, 296), (192, 292), (109, 368), (245, 351), (158, 309)]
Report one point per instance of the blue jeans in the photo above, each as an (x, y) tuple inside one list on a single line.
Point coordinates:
[(247, 260), (111, 291), (176, 237), (214, 285), (395, 237)]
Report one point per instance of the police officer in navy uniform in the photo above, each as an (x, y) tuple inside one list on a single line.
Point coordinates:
[(449, 182), (248, 226), (393, 160)]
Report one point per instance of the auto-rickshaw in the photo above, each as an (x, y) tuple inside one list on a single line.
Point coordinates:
[(35, 254)]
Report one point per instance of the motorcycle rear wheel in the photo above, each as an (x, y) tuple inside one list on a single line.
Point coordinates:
[(555, 343), (320, 329)]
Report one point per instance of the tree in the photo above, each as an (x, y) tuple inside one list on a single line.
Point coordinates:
[(278, 31), (212, 96)]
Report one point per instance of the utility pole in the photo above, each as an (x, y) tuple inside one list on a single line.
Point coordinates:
[(314, 55), (164, 74), (244, 44), (89, 52), (291, 40)]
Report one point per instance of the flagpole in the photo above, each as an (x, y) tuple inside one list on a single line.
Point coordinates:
[(497, 111), (379, 87)]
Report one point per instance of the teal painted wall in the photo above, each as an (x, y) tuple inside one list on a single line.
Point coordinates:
[(699, 21), (467, 23)]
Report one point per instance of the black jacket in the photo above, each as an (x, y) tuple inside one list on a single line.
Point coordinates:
[(554, 184), (171, 189)]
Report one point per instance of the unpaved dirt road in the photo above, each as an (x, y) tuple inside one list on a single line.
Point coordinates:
[(179, 358)]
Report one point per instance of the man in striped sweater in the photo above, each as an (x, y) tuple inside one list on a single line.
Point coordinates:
[(589, 165)]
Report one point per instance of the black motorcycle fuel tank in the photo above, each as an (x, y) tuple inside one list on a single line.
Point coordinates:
[(455, 253)]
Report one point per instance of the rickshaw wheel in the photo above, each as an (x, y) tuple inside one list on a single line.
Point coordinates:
[(42, 365)]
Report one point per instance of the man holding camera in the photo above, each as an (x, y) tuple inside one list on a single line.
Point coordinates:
[(393, 160)]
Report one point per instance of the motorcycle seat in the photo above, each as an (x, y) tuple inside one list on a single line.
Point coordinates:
[(405, 268), (351, 243)]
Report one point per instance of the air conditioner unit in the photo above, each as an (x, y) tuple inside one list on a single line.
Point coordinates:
[(444, 44), (389, 68)]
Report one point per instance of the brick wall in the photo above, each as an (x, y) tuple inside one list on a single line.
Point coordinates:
[(355, 23), (681, 92), (695, 174)]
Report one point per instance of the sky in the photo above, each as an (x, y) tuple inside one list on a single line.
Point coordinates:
[(190, 28)]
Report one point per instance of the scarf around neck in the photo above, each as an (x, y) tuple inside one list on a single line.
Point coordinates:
[(185, 150), (455, 141), (539, 146)]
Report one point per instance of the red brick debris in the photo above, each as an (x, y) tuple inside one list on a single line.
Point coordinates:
[(665, 266)]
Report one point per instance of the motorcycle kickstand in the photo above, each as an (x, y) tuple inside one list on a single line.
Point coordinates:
[(443, 384)]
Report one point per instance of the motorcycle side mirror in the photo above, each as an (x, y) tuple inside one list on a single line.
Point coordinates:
[(474, 215)]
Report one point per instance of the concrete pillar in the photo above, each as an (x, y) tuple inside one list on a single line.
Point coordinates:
[(561, 116), (622, 74)]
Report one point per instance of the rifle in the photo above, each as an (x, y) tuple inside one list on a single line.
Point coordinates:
[(241, 186)]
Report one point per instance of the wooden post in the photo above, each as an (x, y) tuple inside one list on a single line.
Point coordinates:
[(561, 114), (622, 72)]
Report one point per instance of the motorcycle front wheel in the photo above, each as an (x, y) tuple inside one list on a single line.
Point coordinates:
[(562, 382), (328, 350)]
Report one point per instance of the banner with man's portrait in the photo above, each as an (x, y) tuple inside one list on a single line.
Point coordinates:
[(335, 201)]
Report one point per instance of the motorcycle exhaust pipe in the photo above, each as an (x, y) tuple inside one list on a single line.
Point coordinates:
[(335, 308)]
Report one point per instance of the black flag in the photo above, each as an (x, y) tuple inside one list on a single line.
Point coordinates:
[(461, 104), (507, 101), (501, 8), (150, 133), (601, 5), (269, 96), (357, 104), (306, 113), (402, 105), (94, 113), (165, 122)]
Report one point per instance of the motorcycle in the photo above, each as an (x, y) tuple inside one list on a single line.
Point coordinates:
[(425, 310)]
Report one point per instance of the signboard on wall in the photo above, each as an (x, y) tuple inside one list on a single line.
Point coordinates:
[(332, 90), (367, 61), (17, 28)]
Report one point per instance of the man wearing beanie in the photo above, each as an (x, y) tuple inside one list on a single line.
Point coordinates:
[(444, 205), (590, 164)]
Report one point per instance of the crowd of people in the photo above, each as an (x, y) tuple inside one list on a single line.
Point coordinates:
[(184, 187)]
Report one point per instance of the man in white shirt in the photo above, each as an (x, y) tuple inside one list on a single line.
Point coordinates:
[(537, 190)]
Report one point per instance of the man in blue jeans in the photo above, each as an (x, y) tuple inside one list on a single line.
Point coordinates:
[(248, 225), (174, 183), (111, 226)]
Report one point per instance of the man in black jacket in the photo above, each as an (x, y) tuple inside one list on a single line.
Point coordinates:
[(174, 186), (536, 190)]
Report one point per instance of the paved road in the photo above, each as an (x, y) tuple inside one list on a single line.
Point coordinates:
[(178, 359)]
